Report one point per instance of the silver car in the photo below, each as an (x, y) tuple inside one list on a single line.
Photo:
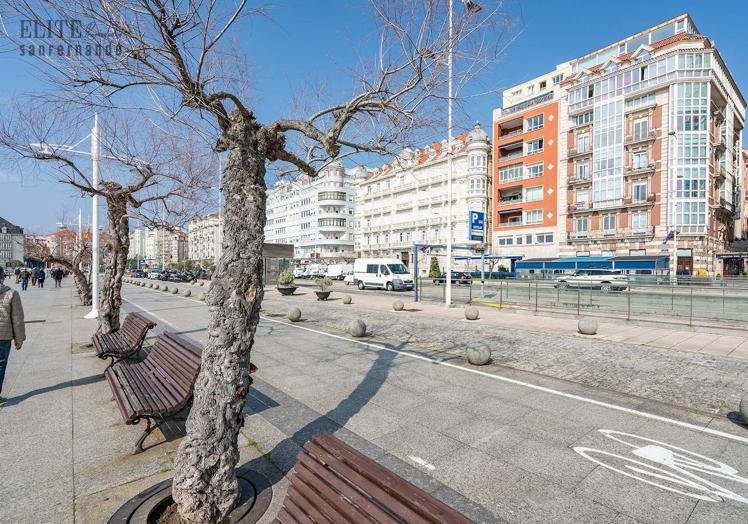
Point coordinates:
[(605, 280)]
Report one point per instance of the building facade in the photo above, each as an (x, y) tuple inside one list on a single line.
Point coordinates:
[(405, 201), (11, 243), (526, 169), (158, 247), (315, 215), (648, 151), (203, 239)]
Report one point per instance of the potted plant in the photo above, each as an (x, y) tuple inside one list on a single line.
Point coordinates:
[(324, 284), (285, 283)]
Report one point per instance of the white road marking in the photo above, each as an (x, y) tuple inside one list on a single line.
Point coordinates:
[(422, 463), (668, 467), (615, 407)]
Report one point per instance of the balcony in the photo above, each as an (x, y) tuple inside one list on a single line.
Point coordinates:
[(640, 138), (546, 97), (629, 201), (332, 196), (720, 173), (637, 171), (720, 143), (511, 223), (510, 156), (513, 132), (574, 152), (404, 205), (510, 201), (616, 234), (579, 180), (579, 207)]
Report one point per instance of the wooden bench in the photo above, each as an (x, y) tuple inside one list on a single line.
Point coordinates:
[(126, 341), (158, 387), (332, 482)]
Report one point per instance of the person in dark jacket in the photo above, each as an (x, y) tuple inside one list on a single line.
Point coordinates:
[(25, 276), (41, 277), (58, 277), (12, 328)]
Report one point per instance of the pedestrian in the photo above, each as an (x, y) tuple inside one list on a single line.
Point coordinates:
[(17, 273), (25, 276), (42, 276), (34, 275), (12, 328), (2, 276), (58, 277)]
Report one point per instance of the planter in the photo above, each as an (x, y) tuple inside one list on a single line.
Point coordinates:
[(148, 505), (323, 295), (287, 290)]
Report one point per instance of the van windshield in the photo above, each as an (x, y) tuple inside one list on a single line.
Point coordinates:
[(398, 269)]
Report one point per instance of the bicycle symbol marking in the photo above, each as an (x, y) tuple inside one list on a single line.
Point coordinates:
[(668, 467)]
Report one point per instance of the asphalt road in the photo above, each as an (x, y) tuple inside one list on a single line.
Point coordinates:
[(521, 446)]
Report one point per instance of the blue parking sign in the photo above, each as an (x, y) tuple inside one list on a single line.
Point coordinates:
[(477, 220)]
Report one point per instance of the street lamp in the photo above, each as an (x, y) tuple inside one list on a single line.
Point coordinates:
[(673, 196), (472, 7)]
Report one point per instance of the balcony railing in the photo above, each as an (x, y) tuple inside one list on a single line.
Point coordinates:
[(510, 156), (577, 180), (579, 207), (547, 97), (624, 233), (511, 133), (510, 201), (574, 152), (639, 138), (634, 171), (513, 223), (650, 199)]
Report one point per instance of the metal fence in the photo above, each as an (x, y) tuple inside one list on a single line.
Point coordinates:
[(692, 303)]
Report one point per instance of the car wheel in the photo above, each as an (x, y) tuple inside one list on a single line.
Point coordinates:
[(605, 287), (563, 285), (360, 285), (389, 286)]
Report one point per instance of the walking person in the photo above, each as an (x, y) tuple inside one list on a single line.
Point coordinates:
[(42, 276), (17, 273), (2, 275), (12, 328), (58, 277), (25, 276), (34, 275)]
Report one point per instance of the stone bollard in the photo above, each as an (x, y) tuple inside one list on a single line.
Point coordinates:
[(587, 326), (174, 291), (294, 314), (357, 328), (187, 292), (398, 305), (165, 288), (472, 313), (150, 284), (347, 299), (204, 297), (478, 356), (157, 286), (202, 283), (743, 409)]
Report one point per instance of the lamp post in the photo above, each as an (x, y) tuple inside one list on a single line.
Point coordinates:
[(95, 157), (674, 217), (473, 7)]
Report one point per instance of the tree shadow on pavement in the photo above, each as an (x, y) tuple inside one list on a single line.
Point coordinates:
[(278, 462), (62, 385)]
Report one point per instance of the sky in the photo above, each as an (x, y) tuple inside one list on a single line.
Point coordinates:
[(303, 40)]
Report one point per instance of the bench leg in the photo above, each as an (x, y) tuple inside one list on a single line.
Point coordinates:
[(149, 428)]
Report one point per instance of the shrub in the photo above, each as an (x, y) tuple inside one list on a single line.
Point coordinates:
[(323, 282), (285, 278), (434, 270)]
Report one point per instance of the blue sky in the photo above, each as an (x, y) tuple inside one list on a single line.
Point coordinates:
[(309, 40)]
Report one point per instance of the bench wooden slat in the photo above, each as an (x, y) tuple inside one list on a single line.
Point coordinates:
[(126, 341), (308, 501)]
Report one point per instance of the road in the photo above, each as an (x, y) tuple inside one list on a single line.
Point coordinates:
[(498, 444)]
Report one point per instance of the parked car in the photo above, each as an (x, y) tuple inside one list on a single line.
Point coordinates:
[(136, 273), (338, 271), (387, 273), (462, 279), (154, 274), (605, 280)]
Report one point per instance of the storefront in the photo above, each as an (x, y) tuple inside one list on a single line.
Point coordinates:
[(275, 259)]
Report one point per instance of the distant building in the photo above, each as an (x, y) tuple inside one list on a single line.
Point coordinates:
[(11, 243), (158, 247), (203, 238), (63, 243)]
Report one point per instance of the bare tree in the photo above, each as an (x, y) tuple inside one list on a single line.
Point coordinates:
[(154, 178), (82, 254), (174, 56)]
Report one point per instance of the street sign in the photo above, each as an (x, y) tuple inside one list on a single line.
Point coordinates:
[(477, 220)]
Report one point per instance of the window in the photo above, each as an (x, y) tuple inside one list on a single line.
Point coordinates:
[(583, 170), (557, 79), (639, 191), (582, 226), (535, 122), (516, 93), (584, 118), (533, 194), (534, 217), (640, 160), (583, 142), (528, 239), (509, 173), (607, 254), (535, 146), (530, 89), (583, 253), (544, 238), (477, 161), (542, 85), (535, 170), (639, 221), (637, 252), (519, 241), (609, 224), (506, 241), (641, 128), (583, 197)]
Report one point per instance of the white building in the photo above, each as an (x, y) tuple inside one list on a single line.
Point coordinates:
[(314, 214), (11, 242), (137, 243), (405, 201), (203, 235), (158, 247)]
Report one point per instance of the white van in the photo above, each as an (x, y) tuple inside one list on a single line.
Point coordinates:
[(338, 271), (387, 273)]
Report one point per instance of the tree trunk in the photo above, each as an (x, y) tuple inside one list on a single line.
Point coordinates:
[(119, 246), (205, 486)]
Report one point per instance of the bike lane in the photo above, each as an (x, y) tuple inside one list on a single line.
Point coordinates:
[(525, 447)]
